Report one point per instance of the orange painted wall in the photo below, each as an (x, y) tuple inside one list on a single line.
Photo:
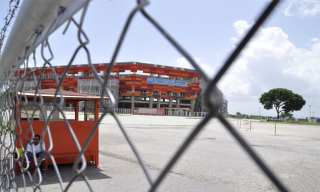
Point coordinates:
[(64, 149), (127, 83)]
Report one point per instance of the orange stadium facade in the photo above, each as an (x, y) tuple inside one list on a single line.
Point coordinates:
[(142, 88)]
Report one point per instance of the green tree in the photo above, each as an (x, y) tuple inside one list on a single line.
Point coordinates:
[(282, 100)]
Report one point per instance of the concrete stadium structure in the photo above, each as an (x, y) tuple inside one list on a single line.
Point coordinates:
[(142, 88)]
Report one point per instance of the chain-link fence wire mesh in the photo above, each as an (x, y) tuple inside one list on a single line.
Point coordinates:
[(13, 6), (14, 102)]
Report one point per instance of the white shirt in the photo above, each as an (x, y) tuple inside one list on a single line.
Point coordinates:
[(37, 148)]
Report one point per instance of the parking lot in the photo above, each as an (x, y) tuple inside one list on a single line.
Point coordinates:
[(214, 162)]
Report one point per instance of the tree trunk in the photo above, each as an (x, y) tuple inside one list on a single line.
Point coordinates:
[(278, 111)]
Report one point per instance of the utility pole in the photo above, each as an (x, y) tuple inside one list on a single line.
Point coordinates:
[(309, 112)]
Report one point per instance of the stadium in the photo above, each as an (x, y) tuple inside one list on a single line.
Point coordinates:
[(139, 88)]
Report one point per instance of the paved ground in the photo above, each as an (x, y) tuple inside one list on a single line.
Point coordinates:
[(213, 163)]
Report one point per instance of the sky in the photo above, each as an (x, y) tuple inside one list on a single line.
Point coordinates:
[(284, 54)]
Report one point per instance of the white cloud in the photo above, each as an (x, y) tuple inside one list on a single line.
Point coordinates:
[(241, 26), (302, 8), (271, 60), (314, 40), (184, 63)]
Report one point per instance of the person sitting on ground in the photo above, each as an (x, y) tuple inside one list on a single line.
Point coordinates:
[(38, 148)]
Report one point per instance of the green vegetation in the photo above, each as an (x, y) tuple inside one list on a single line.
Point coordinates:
[(284, 101), (299, 122), (270, 119)]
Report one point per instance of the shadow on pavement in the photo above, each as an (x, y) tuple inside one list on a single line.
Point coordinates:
[(66, 172)]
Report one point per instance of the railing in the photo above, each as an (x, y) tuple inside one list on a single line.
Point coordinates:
[(182, 113)]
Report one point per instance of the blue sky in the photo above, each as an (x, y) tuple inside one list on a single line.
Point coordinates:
[(284, 54)]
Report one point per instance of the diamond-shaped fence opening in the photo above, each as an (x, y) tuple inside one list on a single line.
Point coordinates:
[(21, 97)]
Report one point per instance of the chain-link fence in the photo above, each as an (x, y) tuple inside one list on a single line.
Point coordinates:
[(13, 6), (22, 108)]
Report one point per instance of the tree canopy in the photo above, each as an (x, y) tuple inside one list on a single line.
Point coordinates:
[(284, 101)]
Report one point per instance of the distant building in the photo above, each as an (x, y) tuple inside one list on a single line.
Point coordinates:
[(134, 85), (143, 87)]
